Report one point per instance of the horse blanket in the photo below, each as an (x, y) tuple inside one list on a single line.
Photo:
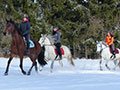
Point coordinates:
[(62, 51)]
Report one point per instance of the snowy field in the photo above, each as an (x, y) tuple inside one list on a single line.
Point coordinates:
[(84, 76)]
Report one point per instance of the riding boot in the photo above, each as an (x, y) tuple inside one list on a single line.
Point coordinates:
[(27, 50), (60, 57), (113, 54), (59, 53)]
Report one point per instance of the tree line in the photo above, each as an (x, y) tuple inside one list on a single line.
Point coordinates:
[(82, 22)]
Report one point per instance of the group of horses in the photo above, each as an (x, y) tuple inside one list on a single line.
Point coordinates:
[(18, 47)]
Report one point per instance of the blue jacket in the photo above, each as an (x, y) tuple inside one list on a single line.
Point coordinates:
[(25, 27)]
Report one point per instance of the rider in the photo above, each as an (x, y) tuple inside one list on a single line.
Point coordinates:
[(110, 41), (57, 35), (25, 31)]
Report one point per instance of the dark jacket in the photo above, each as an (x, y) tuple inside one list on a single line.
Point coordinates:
[(25, 27)]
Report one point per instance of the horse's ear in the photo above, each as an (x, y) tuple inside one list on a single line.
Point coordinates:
[(96, 42), (41, 35)]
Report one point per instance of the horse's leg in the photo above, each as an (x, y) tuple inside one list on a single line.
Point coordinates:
[(60, 62), (9, 61), (21, 65), (33, 59), (117, 64), (36, 69), (56, 57), (30, 69), (107, 65), (52, 65), (71, 60), (33, 64), (100, 65)]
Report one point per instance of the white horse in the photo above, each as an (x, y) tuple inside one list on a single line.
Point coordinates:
[(103, 49), (49, 53)]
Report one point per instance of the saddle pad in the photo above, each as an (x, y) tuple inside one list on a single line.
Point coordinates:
[(31, 43), (62, 51), (116, 50)]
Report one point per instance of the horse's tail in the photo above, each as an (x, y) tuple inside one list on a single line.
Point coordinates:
[(71, 60), (41, 59), (68, 55)]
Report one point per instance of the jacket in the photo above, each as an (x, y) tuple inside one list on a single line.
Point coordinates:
[(57, 37), (25, 27)]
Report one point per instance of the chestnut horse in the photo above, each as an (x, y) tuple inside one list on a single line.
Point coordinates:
[(18, 47)]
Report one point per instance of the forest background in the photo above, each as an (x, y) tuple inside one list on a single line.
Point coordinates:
[(82, 22)]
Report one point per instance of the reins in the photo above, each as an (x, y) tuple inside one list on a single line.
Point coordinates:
[(48, 44)]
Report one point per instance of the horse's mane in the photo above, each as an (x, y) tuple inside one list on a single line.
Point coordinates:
[(16, 26), (104, 43), (50, 38)]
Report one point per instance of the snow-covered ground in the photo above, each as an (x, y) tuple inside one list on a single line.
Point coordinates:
[(84, 76)]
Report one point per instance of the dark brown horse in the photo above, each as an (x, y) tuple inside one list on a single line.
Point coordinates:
[(18, 47)]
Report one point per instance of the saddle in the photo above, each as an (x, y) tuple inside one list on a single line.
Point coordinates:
[(62, 51), (116, 50), (31, 43)]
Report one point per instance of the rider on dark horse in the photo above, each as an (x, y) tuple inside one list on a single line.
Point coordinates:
[(25, 31), (57, 35), (110, 41)]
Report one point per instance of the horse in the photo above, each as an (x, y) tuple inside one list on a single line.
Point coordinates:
[(18, 47), (49, 54), (105, 53)]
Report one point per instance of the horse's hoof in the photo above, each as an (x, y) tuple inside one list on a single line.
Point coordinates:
[(5, 74), (40, 68), (24, 73)]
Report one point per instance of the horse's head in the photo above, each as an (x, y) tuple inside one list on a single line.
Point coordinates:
[(9, 27), (100, 46), (44, 40)]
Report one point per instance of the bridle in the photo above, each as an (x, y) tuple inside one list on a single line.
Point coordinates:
[(101, 47)]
